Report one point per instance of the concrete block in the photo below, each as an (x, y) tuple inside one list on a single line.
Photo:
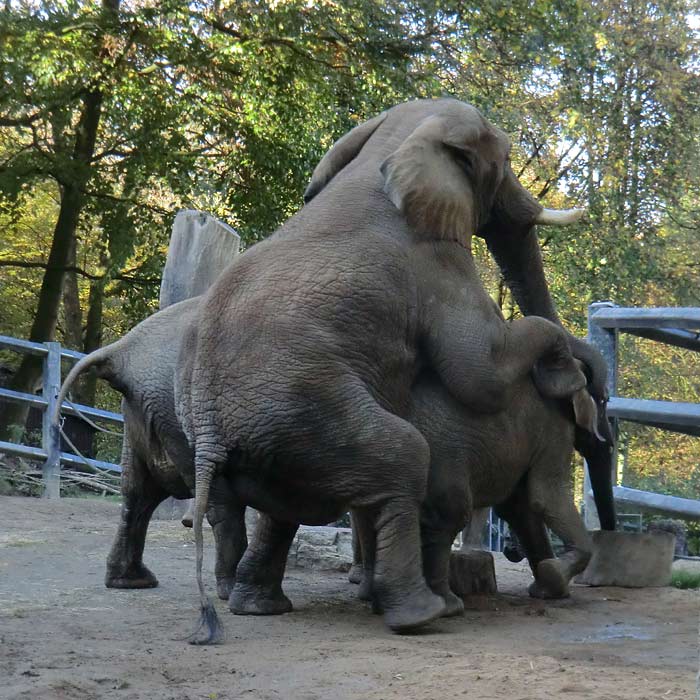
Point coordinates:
[(472, 573), (629, 559)]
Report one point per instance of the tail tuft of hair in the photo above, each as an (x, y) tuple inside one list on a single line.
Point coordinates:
[(209, 629)]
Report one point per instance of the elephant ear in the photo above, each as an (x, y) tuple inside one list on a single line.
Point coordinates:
[(344, 150), (429, 180)]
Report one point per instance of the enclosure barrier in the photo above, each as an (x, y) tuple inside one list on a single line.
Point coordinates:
[(50, 451), (674, 326)]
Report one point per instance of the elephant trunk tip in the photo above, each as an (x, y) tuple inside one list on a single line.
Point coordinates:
[(209, 630)]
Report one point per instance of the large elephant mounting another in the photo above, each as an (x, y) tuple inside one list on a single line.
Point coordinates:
[(295, 383)]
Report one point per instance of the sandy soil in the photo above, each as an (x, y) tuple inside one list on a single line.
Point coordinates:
[(63, 635)]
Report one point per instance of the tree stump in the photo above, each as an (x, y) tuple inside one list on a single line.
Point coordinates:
[(472, 573)]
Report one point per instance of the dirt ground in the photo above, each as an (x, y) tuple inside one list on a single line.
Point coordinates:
[(64, 635)]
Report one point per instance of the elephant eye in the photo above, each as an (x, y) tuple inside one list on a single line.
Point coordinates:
[(463, 157)]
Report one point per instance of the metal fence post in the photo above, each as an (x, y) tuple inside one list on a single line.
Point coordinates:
[(50, 439), (605, 339)]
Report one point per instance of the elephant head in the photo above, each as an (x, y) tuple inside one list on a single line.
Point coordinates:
[(447, 169)]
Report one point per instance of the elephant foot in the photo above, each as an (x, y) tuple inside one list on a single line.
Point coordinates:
[(134, 576), (513, 553), (417, 609), (364, 592), (355, 574), (454, 606), (549, 581), (258, 601), (224, 586)]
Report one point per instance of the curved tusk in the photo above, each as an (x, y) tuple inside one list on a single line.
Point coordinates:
[(559, 217)]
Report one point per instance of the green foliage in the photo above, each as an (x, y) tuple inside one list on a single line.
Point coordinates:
[(685, 579)]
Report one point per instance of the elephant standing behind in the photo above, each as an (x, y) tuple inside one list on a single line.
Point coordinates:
[(156, 459), (331, 319)]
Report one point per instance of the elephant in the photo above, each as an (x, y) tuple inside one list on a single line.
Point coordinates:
[(331, 319), (156, 460), (518, 461)]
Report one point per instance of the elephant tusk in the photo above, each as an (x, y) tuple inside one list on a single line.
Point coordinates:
[(559, 217)]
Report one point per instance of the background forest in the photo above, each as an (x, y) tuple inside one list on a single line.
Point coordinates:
[(116, 114)]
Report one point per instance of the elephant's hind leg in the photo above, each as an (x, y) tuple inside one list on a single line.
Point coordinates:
[(550, 496), (226, 515), (125, 567), (391, 461), (258, 586)]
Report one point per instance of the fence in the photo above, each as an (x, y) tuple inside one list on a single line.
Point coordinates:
[(674, 326), (50, 451)]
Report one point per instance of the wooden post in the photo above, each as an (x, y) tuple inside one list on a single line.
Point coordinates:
[(605, 339), (50, 438)]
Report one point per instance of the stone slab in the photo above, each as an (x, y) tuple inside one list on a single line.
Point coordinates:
[(171, 509), (629, 559), (200, 248)]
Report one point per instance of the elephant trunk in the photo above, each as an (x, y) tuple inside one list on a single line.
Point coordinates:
[(599, 458), (518, 256)]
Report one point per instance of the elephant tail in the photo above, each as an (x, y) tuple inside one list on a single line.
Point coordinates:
[(209, 629), (100, 359)]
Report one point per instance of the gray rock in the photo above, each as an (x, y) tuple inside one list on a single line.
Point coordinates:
[(322, 548)]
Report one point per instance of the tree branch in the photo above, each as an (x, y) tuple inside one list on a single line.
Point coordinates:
[(33, 264)]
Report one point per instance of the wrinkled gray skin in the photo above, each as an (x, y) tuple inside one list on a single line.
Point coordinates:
[(331, 319), (156, 460), (508, 459)]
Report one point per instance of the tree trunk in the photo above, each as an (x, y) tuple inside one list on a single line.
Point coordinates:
[(73, 180), (93, 339), (72, 313)]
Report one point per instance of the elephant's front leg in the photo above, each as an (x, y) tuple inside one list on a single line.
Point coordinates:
[(483, 370), (258, 587), (226, 516), (141, 494)]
